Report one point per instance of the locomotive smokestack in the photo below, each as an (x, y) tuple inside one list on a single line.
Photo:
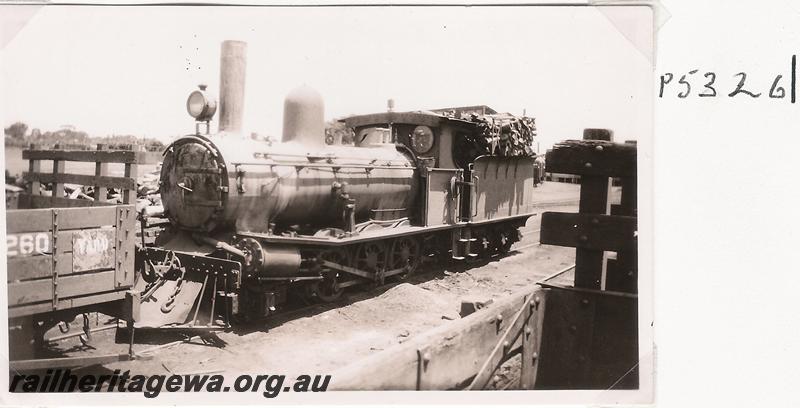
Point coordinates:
[(233, 63), (304, 117)]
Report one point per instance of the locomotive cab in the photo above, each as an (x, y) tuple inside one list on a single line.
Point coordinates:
[(418, 132), (433, 140), (454, 150)]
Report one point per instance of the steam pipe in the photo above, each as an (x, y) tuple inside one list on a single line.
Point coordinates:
[(219, 245)]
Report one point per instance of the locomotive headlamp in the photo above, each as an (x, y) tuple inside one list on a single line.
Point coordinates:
[(422, 139), (201, 105)]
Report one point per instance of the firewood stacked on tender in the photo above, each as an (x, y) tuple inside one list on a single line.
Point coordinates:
[(501, 134)]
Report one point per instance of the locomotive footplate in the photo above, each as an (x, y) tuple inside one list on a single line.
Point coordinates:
[(175, 285)]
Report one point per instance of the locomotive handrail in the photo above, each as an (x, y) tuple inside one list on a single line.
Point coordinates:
[(322, 165), (475, 194), (311, 156)]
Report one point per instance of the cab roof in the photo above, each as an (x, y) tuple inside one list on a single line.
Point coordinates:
[(426, 118)]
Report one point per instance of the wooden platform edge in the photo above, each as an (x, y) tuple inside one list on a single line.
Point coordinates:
[(442, 358)]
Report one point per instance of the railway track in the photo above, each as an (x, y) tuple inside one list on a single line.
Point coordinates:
[(298, 310), (295, 311)]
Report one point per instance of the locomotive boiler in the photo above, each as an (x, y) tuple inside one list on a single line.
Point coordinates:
[(247, 185), (257, 220)]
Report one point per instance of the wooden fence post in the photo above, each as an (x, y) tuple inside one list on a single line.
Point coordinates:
[(35, 166), (100, 169), (59, 167), (131, 170), (622, 273), (590, 337), (589, 263)]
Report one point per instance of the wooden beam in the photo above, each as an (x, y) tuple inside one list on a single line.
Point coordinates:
[(589, 231), (29, 292), (502, 348), (87, 283), (38, 220), (82, 179), (587, 158), (589, 341), (68, 286), (70, 218), (63, 304), (85, 217), (45, 202), (35, 267), (115, 156)]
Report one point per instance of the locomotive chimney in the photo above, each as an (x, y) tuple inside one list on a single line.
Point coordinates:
[(231, 85), (304, 117)]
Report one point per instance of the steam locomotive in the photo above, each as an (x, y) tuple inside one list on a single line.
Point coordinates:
[(254, 221)]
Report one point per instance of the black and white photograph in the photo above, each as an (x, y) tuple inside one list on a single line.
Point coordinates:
[(266, 202)]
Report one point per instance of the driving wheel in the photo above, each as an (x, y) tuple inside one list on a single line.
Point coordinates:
[(327, 289), (405, 253)]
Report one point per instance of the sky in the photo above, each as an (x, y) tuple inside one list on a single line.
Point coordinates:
[(128, 70)]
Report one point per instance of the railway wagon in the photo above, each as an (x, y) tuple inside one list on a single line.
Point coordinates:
[(66, 257), (253, 221)]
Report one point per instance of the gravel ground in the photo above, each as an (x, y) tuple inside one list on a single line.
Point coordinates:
[(323, 338)]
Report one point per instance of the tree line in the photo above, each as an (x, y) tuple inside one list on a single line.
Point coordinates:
[(17, 134)]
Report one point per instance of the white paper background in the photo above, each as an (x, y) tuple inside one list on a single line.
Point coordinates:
[(726, 199)]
